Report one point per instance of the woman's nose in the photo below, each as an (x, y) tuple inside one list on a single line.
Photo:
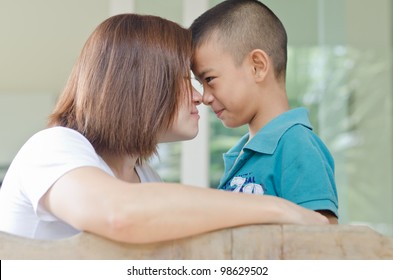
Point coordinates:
[(196, 96)]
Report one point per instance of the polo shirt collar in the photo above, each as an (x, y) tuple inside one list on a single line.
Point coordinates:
[(267, 138)]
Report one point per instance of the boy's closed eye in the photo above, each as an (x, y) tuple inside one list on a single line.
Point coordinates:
[(209, 79)]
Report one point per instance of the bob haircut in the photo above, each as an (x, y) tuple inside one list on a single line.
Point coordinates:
[(127, 84)]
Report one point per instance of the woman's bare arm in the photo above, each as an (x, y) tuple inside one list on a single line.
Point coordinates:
[(91, 200)]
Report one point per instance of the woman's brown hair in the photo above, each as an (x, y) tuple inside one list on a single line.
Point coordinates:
[(125, 88)]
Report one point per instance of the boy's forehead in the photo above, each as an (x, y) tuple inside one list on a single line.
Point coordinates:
[(209, 53), (203, 57), (210, 40)]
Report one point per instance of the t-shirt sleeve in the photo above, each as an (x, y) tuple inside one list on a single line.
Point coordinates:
[(46, 157), (307, 171)]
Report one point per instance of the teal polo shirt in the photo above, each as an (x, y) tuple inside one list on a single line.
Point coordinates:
[(285, 159)]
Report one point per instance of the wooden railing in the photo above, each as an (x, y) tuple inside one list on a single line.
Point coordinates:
[(335, 242)]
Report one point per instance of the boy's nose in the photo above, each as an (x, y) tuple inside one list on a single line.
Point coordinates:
[(207, 98)]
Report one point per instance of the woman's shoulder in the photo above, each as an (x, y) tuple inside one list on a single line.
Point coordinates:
[(58, 136), (56, 141), (56, 132)]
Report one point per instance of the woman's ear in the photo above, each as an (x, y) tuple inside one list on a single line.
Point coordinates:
[(261, 63)]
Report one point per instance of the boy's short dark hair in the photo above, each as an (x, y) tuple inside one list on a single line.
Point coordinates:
[(241, 26)]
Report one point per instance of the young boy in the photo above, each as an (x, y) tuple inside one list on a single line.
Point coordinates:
[(240, 59)]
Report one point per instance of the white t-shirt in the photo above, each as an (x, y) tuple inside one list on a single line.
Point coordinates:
[(42, 160)]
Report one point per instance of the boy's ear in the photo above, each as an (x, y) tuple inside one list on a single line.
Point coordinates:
[(260, 62)]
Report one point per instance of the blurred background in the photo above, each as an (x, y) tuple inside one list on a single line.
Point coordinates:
[(339, 67)]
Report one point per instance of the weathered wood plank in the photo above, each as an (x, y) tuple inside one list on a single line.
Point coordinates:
[(250, 242)]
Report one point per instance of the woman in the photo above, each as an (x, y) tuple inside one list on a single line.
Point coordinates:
[(129, 90)]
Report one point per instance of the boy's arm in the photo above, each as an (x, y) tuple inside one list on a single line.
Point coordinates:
[(307, 173), (329, 215)]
